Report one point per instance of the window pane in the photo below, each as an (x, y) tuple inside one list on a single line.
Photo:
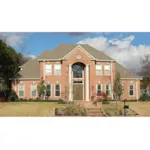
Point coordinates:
[(107, 72), (21, 87), (131, 92), (98, 67), (57, 93), (57, 72), (48, 93), (57, 67), (57, 87), (98, 72), (107, 67), (48, 67), (48, 90), (33, 93), (21, 93)]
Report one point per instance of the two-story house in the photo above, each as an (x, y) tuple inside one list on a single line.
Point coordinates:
[(78, 70)]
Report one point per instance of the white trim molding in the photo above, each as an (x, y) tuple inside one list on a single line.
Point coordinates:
[(87, 82), (73, 50)]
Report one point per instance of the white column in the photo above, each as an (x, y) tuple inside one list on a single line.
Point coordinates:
[(112, 81), (87, 82), (44, 70), (70, 85), (137, 96)]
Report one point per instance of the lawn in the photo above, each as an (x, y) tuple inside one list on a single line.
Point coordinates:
[(142, 108), (112, 110), (28, 108)]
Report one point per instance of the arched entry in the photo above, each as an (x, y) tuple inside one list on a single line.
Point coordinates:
[(78, 80)]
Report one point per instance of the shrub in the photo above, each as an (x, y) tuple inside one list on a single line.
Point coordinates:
[(13, 96), (71, 110), (144, 97), (105, 101)]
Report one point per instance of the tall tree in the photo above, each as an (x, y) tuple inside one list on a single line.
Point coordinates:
[(118, 90), (9, 63), (145, 71)]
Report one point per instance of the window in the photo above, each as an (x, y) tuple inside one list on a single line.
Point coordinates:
[(108, 90), (21, 90), (57, 89), (48, 90), (48, 68), (107, 70), (78, 70), (57, 69), (98, 70), (131, 90), (98, 89), (33, 90)]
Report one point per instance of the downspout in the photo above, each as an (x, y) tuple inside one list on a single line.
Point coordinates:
[(112, 80)]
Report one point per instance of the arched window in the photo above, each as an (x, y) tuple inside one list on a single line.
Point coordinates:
[(78, 69)]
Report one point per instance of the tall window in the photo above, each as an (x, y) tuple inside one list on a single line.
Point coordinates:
[(21, 88), (108, 89), (78, 70), (131, 90), (98, 89), (57, 69), (48, 68), (57, 89), (98, 70), (48, 90), (33, 90), (107, 70)]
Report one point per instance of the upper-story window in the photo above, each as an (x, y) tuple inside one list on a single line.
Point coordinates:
[(48, 68), (98, 69), (107, 70), (78, 70), (57, 69), (131, 90)]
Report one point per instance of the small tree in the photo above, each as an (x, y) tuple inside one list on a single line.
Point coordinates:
[(41, 88), (117, 88)]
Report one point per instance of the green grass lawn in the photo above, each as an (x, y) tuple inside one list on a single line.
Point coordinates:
[(28, 108), (112, 110)]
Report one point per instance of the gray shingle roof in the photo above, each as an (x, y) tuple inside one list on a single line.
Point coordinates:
[(62, 50), (31, 69)]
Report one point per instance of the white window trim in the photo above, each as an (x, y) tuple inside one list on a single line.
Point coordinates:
[(133, 90), (31, 90), (54, 70), (45, 70), (109, 89), (99, 70), (51, 89), (55, 88), (107, 70), (24, 90)]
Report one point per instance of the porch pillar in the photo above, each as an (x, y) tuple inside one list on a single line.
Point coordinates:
[(15, 86), (70, 85), (112, 96), (137, 95), (44, 70), (87, 82)]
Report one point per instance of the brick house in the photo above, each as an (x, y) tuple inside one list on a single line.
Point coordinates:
[(77, 71)]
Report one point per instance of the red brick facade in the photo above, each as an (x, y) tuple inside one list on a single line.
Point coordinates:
[(93, 79)]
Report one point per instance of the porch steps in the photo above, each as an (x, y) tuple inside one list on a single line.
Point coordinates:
[(95, 112)]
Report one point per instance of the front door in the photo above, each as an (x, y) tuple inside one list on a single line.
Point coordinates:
[(77, 91)]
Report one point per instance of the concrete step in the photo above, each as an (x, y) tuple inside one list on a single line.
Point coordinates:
[(95, 112)]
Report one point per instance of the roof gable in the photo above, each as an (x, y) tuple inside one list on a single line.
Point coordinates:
[(65, 49)]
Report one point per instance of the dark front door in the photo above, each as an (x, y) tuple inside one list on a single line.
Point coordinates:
[(77, 91)]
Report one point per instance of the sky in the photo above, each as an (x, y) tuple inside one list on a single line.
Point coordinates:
[(127, 48)]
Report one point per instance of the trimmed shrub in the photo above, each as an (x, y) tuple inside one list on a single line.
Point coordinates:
[(13, 96), (105, 101), (71, 110), (144, 97)]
